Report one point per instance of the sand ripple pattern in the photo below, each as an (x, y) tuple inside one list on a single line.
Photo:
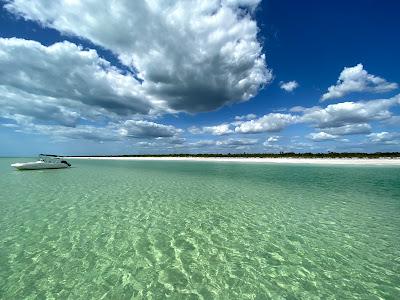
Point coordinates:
[(195, 230)]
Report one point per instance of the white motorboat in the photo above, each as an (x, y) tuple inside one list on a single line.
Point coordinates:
[(45, 161)]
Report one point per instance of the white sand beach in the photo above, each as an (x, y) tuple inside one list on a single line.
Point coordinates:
[(323, 161)]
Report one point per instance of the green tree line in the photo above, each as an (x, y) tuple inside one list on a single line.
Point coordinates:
[(268, 155)]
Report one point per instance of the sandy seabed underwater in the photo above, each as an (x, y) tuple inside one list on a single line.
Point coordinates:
[(199, 230)]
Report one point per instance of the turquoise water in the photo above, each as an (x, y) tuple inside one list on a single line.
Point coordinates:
[(198, 230)]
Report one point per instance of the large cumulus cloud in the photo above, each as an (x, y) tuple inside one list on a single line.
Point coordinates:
[(118, 131), (65, 81), (193, 55)]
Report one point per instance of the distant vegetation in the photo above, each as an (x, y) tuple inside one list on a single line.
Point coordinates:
[(269, 155)]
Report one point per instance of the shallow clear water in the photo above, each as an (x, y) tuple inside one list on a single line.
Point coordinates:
[(192, 230)]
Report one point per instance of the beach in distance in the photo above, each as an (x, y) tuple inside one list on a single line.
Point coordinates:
[(328, 161)]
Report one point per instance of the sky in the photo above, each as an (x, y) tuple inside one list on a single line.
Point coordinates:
[(193, 76)]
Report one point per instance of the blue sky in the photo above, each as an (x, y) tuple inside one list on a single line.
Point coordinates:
[(199, 76)]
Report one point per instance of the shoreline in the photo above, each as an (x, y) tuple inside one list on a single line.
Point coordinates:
[(318, 161)]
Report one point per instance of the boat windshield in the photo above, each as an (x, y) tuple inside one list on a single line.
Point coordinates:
[(49, 158)]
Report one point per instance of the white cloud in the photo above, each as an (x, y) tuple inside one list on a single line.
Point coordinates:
[(388, 138), (322, 136), (193, 55), (195, 130), (221, 129), (297, 109), (289, 86), (202, 143), (80, 132), (218, 130), (337, 119), (252, 4), (64, 82), (9, 125), (349, 129), (393, 121), (120, 131), (341, 114), (273, 139), (268, 123), (246, 117), (146, 144), (156, 146), (180, 56), (356, 79), (162, 143), (19, 106), (237, 142), (146, 129)]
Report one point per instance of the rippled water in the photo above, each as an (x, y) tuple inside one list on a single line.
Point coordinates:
[(197, 230)]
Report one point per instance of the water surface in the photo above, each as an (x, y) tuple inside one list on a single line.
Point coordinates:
[(199, 230)]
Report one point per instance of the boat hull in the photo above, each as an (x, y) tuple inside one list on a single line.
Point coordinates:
[(39, 166)]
